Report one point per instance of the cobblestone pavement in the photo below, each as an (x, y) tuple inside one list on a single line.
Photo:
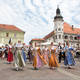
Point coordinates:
[(7, 72)]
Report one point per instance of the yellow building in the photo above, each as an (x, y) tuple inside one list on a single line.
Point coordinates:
[(8, 32)]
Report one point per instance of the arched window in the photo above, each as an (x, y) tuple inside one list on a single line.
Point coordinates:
[(59, 29), (59, 36), (66, 37), (75, 38)]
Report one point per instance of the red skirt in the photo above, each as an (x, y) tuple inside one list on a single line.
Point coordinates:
[(10, 57)]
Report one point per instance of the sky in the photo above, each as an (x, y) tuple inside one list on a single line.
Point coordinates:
[(35, 17)]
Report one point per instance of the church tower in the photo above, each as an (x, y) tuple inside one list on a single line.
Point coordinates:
[(58, 26)]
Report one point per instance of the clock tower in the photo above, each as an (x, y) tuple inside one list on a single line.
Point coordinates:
[(58, 26)]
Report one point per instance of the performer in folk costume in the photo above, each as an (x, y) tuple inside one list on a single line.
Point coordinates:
[(35, 58), (63, 51), (38, 60), (53, 62), (24, 53), (19, 62), (60, 52), (45, 53), (10, 54), (6, 51), (69, 58), (2, 52), (30, 54)]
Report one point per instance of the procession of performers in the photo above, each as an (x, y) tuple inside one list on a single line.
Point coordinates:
[(18, 54)]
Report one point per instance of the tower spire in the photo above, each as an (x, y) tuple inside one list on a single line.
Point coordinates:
[(57, 6), (57, 10), (58, 14)]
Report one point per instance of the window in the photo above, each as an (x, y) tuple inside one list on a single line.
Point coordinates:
[(7, 34), (71, 38), (75, 38), (66, 37), (56, 36), (59, 29), (14, 34), (59, 36), (56, 29)]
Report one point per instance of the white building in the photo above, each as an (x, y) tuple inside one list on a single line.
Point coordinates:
[(63, 32)]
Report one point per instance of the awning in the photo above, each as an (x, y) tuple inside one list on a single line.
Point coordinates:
[(48, 43)]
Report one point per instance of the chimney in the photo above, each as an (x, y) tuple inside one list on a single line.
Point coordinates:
[(72, 27)]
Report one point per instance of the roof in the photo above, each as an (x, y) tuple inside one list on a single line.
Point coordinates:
[(36, 39), (49, 35), (68, 29), (9, 27)]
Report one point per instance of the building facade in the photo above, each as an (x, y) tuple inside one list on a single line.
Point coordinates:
[(36, 42), (63, 32), (8, 32)]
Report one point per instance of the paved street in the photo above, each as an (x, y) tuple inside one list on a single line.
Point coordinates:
[(7, 72)]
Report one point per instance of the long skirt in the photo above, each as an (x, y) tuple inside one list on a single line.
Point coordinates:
[(10, 57), (24, 55), (69, 60), (18, 59), (46, 57), (53, 62), (35, 61)]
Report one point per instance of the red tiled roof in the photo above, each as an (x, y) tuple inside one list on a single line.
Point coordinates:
[(49, 35), (9, 27), (68, 29), (36, 39)]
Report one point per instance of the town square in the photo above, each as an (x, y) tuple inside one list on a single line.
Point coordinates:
[(39, 40)]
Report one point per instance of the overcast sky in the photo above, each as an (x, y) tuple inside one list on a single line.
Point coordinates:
[(35, 17)]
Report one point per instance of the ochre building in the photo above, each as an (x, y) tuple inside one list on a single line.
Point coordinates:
[(8, 32)]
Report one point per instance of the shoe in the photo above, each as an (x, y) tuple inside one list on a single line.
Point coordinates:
[(69, 67)]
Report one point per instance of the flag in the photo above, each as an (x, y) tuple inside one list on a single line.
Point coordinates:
[(9, 40)]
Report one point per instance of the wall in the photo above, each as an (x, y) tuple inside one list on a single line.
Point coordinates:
[(14, 35)]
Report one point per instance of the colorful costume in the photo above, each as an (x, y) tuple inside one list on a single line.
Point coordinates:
[(10, 54), (53, 62), (30, 54), (38, 59), (24, 54), (18, 58), (46, 54), (69, 60)]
